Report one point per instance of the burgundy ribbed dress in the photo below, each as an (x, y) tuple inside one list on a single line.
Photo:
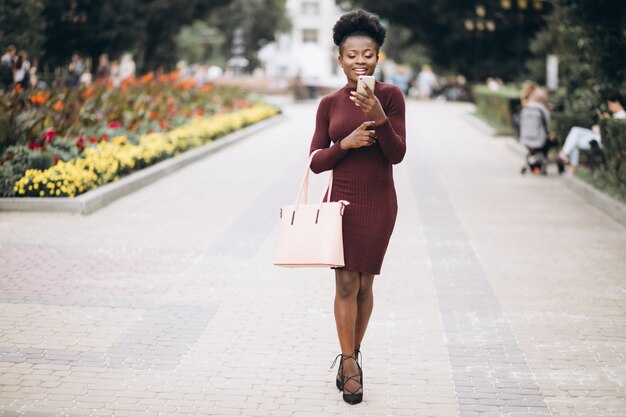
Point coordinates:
[(362, 176)]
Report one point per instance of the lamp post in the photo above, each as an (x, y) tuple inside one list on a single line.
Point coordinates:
[(521, 7), (477, 24), (238, 61)]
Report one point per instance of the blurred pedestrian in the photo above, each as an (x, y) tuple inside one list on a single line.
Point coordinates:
[(580, 138), (127, 67), (22, 67), (34, 80), (7, 68), (103, 72), (115, 73), (528, 87), (359, 137), (534, 120), (76, 69), (426, 82)]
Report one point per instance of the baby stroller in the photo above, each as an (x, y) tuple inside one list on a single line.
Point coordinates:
[(535, 136), (538, 159)]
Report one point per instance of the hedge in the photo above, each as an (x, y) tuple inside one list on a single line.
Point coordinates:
[(614, 144), (561, 123), (497, 106)]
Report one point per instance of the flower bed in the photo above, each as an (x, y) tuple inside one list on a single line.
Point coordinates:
[(64, 129), (109, 160)]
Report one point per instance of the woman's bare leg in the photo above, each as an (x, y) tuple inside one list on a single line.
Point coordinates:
[(347, 285), (365, 305)]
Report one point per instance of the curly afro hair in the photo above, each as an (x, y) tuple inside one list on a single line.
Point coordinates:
[(358, 23)]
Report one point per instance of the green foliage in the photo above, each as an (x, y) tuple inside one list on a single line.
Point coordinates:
[(587, 36), (439, 27), (497, 106), (400, 47), (201, 43), (611, 181), (614, 144), (146, 28), (260, 20), (22, 24)]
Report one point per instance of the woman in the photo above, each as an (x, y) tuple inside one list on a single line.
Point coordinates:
[(368, 136), (580, 138)]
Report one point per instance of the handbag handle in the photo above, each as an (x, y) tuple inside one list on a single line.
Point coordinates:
[(304, 185)]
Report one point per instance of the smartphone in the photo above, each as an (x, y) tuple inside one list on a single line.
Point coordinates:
[(370, 80)]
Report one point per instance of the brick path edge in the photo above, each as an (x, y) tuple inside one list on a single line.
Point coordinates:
[(602, 201), (102, 196), (611, 206)]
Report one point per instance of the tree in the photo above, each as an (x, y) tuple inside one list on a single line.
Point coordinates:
[(146, 28), (496, 45), (201, 43), (15, 17), (588, 38), (260, 21)]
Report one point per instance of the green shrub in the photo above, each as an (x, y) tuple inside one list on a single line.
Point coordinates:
[(561, 123), (497, 106), (614, 144)]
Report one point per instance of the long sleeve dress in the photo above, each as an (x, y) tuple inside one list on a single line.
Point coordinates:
[(364, 176)]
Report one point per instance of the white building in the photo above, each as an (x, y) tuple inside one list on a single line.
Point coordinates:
[(308, 51)]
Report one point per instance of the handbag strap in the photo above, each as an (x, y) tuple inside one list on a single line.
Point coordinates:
[(304, 185)]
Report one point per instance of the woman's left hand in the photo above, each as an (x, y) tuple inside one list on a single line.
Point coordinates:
[(369, 105)]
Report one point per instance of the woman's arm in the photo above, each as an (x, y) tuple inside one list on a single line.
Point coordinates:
[(329, 156), (392, 132)]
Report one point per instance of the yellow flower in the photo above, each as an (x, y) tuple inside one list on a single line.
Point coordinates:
[(108, 160)]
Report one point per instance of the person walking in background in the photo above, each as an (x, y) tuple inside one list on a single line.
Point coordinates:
[(76, 69), (103, 72), (22, 67), (426, 82), (580, 138), (7, 69), (127, 67), (367, 133), (115, 73)]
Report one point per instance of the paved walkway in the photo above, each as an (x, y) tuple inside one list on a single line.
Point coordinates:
[(501, 295)]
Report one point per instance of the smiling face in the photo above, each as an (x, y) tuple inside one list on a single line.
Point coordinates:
[(358, 56)]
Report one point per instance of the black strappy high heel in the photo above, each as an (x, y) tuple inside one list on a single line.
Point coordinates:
[(349, 396), (359, 361)]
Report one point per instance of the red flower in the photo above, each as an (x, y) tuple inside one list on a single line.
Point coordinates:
[(115, 125), (105, 138), (80, 143), (35, 146), (56, 159), (49, 135), (92, 140)]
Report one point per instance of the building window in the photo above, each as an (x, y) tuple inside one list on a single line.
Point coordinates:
[(310, 8), (309, 35)]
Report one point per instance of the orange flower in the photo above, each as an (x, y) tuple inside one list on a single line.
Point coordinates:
[(207, 88), (147, 78), (18, 88), (58, 105), (170, 101), (88, 91), (39, 98)]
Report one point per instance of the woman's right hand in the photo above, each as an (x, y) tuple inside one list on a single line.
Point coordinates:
[(360, 138)]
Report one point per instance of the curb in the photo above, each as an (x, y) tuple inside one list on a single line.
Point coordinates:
[(102, 196), (479, 124), (607, 204)]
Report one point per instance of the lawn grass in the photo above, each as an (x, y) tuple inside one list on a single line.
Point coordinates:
[(598, 181)]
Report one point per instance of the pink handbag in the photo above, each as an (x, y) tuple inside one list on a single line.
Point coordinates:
[(310, 235)]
